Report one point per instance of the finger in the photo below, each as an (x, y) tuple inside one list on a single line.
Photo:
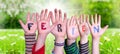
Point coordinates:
[(42, 15), (92, 19), (68, 23), (78, 19), (28, 16), (49, 16), (60, 15), (74, 20), (65, 18), (81, 17), (87, 16), (95, 18), (56, 14), (45, 15), (84, 17), (22, 24), (104, 29), (71, 21), (33, 16), (89, 25), (52, 17), (88, 22), (99, 20), (37, 17)]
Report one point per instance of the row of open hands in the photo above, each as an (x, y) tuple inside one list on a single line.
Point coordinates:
[(73, 27)]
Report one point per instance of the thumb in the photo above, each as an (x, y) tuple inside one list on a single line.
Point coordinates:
[(21, 23), (105, 28)]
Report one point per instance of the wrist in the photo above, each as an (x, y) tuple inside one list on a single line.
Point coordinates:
[(59, 40), (96, 39), (42, 36), (30, 34), (84, 40), (69, 42)]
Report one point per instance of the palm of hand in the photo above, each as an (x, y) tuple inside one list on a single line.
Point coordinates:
[(32, 29), (60, 29), (95, 28), (72, 32), (96, 31), (59, 33), (84, 29), (30, 26), (44, 27)]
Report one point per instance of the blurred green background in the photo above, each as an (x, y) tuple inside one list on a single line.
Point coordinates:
[(12, 36), (12, 10)]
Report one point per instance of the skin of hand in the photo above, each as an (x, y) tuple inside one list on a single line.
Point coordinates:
[(96, 35), (72, 30), (95, 23), (83, 28), (59, 35), (58, 20), (44, 18), (29, 29), (44, 27), (25, 26)]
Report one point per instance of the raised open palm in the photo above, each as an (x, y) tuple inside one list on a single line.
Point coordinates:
[(82, 25), (72, 29), (43, 22), (60, 28), (31, 26), (95, 28)]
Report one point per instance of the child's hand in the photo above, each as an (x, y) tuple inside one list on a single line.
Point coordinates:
[(83, 29), (72, 29), (96, 32), (31, 26), (44, 28), (60, 29), (95, 28), (43, 22)]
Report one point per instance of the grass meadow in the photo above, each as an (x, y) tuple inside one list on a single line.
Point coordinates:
[(12, 42)]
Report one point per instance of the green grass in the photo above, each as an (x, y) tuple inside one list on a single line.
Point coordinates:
[(12, 42)]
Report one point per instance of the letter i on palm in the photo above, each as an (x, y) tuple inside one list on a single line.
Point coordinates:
[(72, 29)]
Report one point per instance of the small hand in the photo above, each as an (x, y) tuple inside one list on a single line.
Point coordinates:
[(72, 29), (44, 27), (95, 28), (83, 27), (60, 29), (31, 26), (43, 22)]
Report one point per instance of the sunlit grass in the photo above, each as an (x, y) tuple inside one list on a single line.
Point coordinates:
[(12, 42)]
